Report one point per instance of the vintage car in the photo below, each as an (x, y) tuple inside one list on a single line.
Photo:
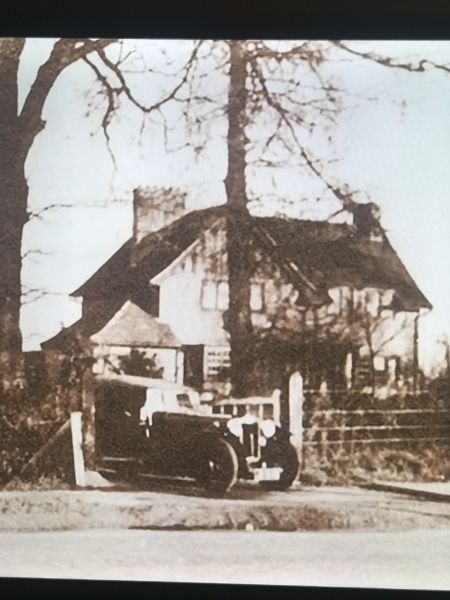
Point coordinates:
[(150, 426)]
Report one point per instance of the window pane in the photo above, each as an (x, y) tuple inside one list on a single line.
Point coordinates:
[(184, 401), (216, 358), (209, 294), (372, 301), (379, 363), (256, 296), (222, 296)]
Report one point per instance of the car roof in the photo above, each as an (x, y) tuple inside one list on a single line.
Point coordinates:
[(142, 382)]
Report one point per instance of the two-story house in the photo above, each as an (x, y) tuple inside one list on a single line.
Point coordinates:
[(331, 299)]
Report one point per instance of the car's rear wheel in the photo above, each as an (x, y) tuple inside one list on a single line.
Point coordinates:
[(218, 468), (286, 458)]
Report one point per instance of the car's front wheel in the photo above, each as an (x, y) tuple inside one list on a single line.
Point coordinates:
[(284, 455), (218, 468)]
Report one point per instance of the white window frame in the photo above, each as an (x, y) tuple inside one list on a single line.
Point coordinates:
[(222, 301), (260, 286), (212, 366), (212, 299), (218, 303)]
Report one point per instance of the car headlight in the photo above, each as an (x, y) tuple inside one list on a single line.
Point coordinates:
[(235, 427), (206, 397), (268, 428)]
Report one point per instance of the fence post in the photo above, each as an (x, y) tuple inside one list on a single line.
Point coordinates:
[(348, 370), (77, 445), (296, 412), (88, 408)]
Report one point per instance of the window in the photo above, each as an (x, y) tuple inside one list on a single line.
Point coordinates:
[(222, 295), (336, 294), (387, 297), (358, 299), (215, 295), (372, 301), (216, 358), (209, 294), (184, 401), (256, 296), (379, 363)]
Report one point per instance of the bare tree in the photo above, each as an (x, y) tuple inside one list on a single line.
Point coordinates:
[(18, 130), (281, 85)]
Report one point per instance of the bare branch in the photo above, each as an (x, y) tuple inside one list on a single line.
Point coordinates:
[(37, 214), (40, 212), (124, 88), (30, 295), (387, 61), (64, 53), (36, 252), (402, 326), (111, 94), (342, 195)]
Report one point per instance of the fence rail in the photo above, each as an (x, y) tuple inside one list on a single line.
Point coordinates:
[(375, 441), (373, 410), (376, 427), (344, 420)]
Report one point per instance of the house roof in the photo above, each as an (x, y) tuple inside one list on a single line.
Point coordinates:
[(320, 254), (64, 338), (132, 326)]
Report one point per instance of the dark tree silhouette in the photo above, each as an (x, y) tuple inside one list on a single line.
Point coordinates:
[(137, 363)]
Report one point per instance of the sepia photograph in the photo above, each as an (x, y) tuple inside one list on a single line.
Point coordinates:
[(224, 311)]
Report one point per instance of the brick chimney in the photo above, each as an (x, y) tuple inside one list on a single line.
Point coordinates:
[(154, 208), (366, 218)]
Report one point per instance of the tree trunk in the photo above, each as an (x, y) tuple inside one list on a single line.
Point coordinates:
[(235, 184), (14, 194), (238, 317)]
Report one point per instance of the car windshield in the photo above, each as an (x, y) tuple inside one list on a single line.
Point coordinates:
[(184, 400), (171, 400)]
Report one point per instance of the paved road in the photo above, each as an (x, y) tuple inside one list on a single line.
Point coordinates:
[(415, 559)]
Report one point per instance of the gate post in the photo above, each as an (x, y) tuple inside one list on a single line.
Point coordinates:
[(296, 412), (88, 408), (77, 448)]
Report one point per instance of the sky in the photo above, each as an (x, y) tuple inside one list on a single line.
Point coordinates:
[(391, 142)]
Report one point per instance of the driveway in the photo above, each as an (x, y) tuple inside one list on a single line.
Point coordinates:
[(304, 509)]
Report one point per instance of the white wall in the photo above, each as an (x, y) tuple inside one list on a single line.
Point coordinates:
[(181, 291)]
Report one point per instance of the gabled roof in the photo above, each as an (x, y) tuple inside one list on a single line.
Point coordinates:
[(132, 326), (319, 253), (65, 336), (151, 255)]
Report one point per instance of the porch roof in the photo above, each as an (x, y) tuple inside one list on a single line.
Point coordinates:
[(132, 326)]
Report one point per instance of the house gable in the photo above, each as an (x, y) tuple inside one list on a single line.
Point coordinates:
[(323, 254), (313, 256), (133, 327)]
